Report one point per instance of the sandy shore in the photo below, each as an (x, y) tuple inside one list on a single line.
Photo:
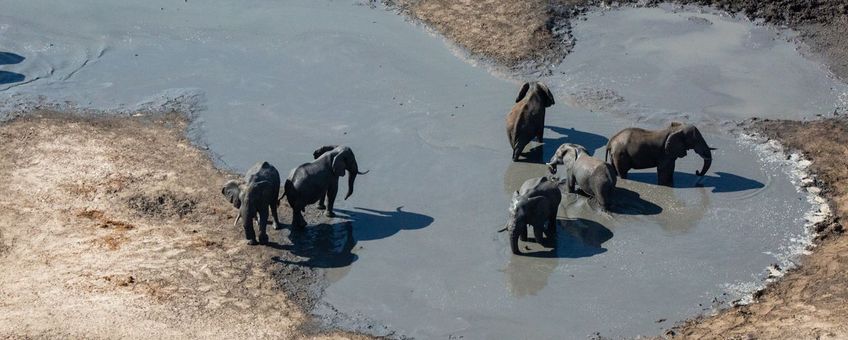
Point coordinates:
[(115, 227)]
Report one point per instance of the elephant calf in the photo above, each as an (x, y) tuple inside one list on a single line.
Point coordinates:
[(535, 203), (526, 120), (635, 148), (595, 177), (311, 182), (256, 194)]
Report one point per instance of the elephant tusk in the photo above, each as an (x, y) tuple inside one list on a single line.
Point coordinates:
[(235, 223)]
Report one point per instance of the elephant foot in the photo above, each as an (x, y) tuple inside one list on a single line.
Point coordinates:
[(263, 239), (330, 213), (321, 207), (523, 238), (278, 226), (252, 242)]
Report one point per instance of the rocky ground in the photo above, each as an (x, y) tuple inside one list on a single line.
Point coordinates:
[(115, 228)]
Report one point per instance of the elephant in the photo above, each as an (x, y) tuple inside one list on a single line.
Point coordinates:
[(255, 195), (635, 148), (526, 120), (311, 182), (595, 177), (535, 203)]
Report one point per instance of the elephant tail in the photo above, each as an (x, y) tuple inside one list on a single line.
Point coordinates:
[(288, 188)]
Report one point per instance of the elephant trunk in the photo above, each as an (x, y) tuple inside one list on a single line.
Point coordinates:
[(707, 155), (352, 170)]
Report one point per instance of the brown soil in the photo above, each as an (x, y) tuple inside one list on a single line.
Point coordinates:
[(537, 32), (511, 33), (811, 301), (116, 228)]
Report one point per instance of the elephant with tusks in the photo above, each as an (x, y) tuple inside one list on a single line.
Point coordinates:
[(312, 182), (635, 148), (255, 195)]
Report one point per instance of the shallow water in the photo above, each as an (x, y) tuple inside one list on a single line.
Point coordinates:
[(417, 248)]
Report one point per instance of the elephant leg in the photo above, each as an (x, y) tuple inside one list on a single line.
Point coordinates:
[(665, 173), (540, 133), (523, 234), (331, 199), (298, 222), (519, 147), (538, 233), (514, 235), (551, 230), (263, 224), (247, 223), (571, 184), (274, 205)]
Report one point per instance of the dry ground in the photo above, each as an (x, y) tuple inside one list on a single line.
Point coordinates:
[(116, 228)]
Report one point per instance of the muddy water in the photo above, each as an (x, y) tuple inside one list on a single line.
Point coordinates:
[(416, 249)]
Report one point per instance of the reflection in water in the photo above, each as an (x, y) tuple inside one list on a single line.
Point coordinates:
[(527, 274)]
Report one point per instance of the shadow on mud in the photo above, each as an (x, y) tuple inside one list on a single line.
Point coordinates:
[(542, 152), (628, 202), (576, 238), (724, 182), (7, 58), (331, 245), (323, 246)]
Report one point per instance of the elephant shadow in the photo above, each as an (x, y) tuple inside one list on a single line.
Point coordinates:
[(8, 58), (628, 202), (576, 238), (540, 154), (723, 182), (371, 224), (11, 77), (588, 140), (323, 246)]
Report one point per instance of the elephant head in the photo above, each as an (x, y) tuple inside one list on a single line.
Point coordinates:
[(566, 154), (322, 150), (523, 211), (536, 88), (687, 137), (233, 190), (345, 160)]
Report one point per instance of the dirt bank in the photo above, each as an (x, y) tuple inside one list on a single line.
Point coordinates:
[(115, 228), (810, 301), (513, 33)]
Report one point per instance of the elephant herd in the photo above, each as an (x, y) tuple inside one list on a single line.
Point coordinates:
[(259, 191), (534, 204)]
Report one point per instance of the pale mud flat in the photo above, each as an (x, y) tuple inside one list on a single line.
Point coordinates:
[(416, 251)]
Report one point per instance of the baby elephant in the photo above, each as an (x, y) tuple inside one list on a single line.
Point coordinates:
[(256, 194), (536, 204), (595, 177)]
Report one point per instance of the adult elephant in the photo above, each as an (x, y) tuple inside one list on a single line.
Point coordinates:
[(536, 204), (595, 177), (635, 148), (255, 195), (526, 120), (311, 182)]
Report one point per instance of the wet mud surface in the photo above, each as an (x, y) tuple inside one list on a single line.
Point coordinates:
[(416, 251)]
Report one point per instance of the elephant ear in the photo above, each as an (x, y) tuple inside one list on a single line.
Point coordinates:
[(322, 150), (537, 209), (675, 145), (341, 161), (549, 100), (522, 92), (232, 191)]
